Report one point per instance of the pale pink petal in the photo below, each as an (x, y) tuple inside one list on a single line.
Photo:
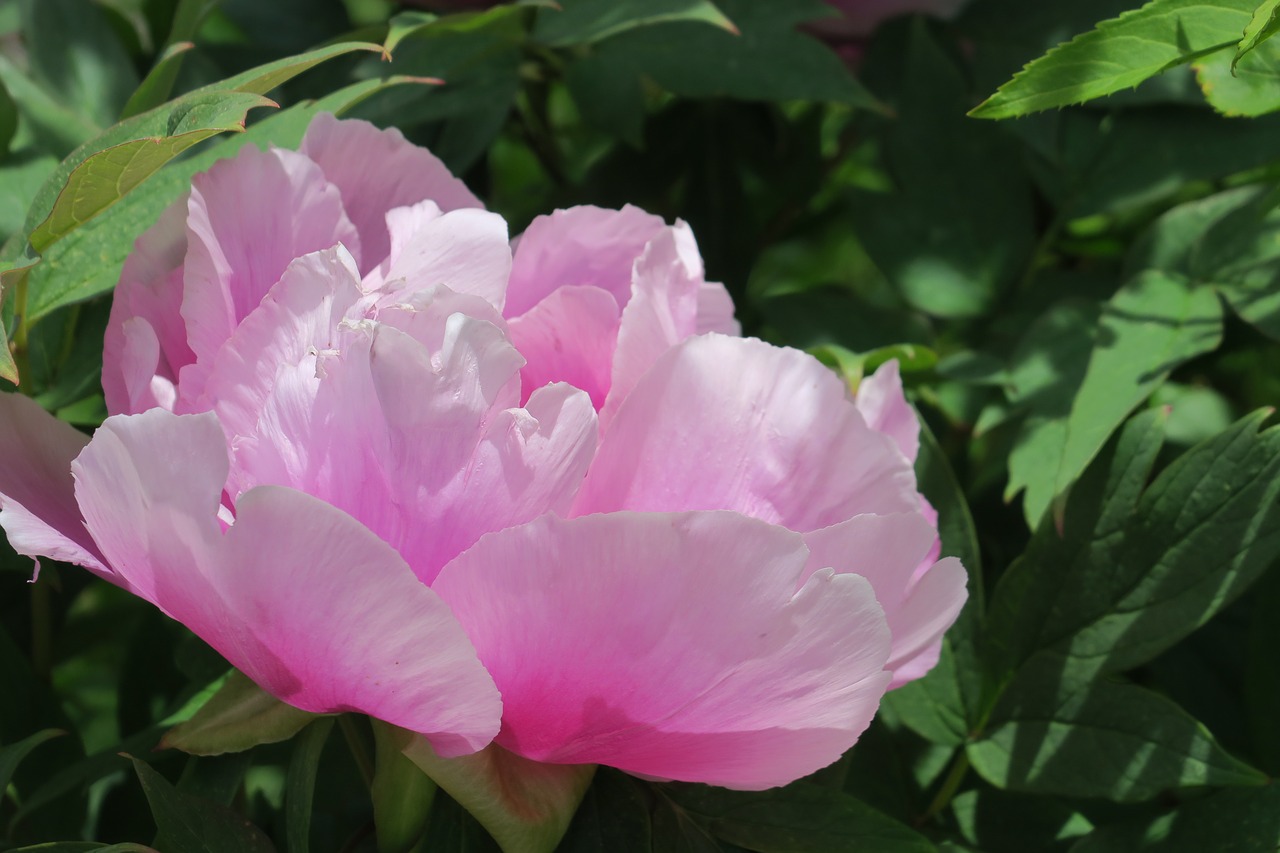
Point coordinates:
[(715, 310), (569, 337), (887, 550), (297, 595), (671, 645), (581, 246), (248, 218), (149, 293), (376, 171), (465, 250), (734, 423), (37, 504), (662, 312), (885, 408)]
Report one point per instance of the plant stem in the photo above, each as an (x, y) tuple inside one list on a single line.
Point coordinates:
[(950, 785)]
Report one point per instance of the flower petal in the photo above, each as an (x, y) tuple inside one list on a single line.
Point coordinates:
[(885, 407), (376, 171), (715, 310), (243, 230), (569, 337), (734, 423), (671, 645), (581, 246), (290, 593), (37, 503)]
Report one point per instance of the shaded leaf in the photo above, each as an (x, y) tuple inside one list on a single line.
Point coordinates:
[(1263, 25), (300, 784), (193, 825), (1250, 88), (13, 753), (588, 21), (155, 87), (614, 817), (402, 793), (1231, 821), (1120, 53), (239, 716)]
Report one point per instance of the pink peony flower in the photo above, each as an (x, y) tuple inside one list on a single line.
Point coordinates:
[(355, 446)]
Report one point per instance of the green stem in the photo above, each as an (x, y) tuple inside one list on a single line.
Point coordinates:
[(950, 785), (359, 749), (20, 357)]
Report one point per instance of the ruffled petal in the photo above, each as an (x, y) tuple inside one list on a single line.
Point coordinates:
[(296, 594), (569, 337), (734, 423), (376, 171), (243, 229), (581, 246), (671, 645), (889, 551), (37, 503), (886, 410), (716, 311)]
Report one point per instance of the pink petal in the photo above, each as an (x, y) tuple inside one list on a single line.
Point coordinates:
[(580, 246), (466, 251), (148, 297), (715, 310), (37, 505), (662, 312), (569, 337), (885, 407), (248, 218), (297, 595), (376, 171), (887, 550), (734, 423), (671, 645)]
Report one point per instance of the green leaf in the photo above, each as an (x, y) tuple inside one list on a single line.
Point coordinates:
[(15, 752), (87, 261), (57, 128), (1235, 820), (1104, 739), (1250, 88), (300, 784), (1263, 25), (8, 120), (155, 87), (588, 21), (239, 716), (402, 793), (1121, 53), (79, 846), (768, 60), (800, 818), (614, 817), (193, 825), (1154, 323)]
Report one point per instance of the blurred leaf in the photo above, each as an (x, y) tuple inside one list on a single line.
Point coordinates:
[(8, 120), (54, 125), (300, 784), (13, 753), (957, 229), (401, 793), (1154, 323), (768, 60), (613, 818), (155, 87), (193, 825), (75, 54), (1002, 822), (1231, 821), (1264, 24), (1250, 88), (1261, 686), (240, 716), (588, 21), (1120, 53), (800, 818), (79, 846), (1103, 739), (451, 828)]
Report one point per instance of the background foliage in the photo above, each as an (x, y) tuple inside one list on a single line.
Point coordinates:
[(1085, 301)]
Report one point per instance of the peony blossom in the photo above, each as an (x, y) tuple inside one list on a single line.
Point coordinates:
[(384, 464)]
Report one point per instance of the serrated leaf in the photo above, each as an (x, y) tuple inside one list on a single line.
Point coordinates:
[(1249, 89), (1263, 25), (1154, 322), (195, 825), (800, 818), (1119, 54), (1104, 739), (239, 716), (579, 22)]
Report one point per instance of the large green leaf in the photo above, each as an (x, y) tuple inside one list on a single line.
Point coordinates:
[(1103, 739), (194, 825), (1121, 53), (800, 818), (1248, 88), (239, 716), (1264, 24), (588, 21), (1154, 323), (1245, 820)]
